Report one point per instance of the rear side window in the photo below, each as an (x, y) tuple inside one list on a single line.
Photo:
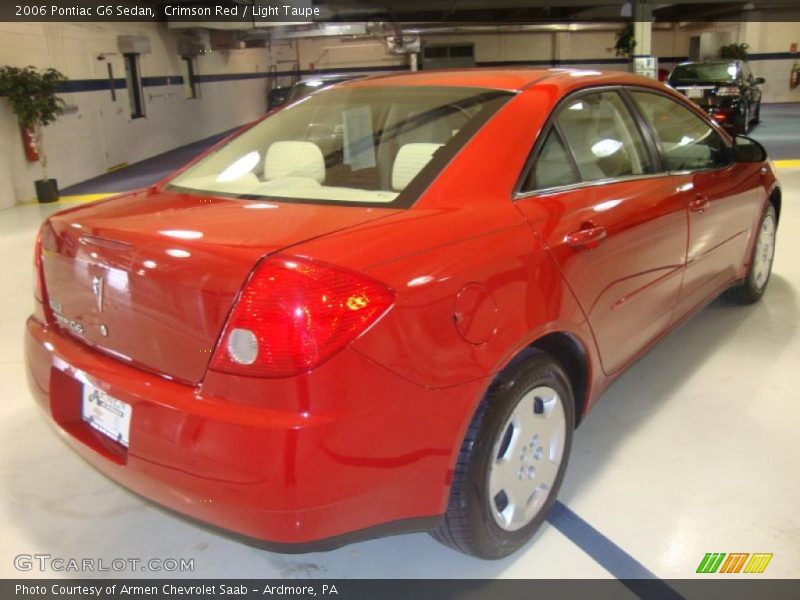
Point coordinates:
[(553, 166), (603, 137), (688, 143)]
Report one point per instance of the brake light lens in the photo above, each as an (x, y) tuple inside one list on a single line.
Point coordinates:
[(731, 90), (293, 314)]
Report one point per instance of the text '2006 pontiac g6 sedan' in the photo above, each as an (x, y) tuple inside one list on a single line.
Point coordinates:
[(386, 307)]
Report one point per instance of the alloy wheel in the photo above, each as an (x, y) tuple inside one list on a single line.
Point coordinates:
[(526, 458), (765, 251)]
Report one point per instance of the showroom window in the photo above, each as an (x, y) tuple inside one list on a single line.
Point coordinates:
[(134, 81), (603, 137), (553, 166), (448, 56), (687, 142)]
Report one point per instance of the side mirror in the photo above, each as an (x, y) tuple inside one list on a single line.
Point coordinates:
[(760, 80), (747, 150)]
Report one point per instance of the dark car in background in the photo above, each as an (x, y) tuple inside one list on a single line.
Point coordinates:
[(725, 89)]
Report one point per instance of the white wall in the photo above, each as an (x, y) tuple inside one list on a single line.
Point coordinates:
[(587, 48), (344, 53), (101, 133)]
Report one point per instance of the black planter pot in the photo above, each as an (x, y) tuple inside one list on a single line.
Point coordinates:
[(46, 190)]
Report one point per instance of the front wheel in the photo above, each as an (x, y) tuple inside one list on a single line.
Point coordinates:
[(512, 461), (755, 283)]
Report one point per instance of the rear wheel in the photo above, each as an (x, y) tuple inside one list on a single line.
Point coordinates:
[(512, 461), (755, 284)]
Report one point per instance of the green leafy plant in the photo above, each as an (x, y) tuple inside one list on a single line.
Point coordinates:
[(625, 41), (734, 51), (31, 93)]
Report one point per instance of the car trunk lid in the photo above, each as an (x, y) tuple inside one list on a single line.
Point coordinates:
[(150, 278)]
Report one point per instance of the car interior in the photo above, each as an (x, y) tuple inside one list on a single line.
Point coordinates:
[(335, 151)]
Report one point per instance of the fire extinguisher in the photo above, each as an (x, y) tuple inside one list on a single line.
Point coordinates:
[(794, 78), (29, 143)]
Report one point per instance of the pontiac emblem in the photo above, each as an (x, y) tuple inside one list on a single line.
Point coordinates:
[(97, 289)]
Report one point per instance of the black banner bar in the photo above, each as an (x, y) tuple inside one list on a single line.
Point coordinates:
[(298, 12), (714, 586)]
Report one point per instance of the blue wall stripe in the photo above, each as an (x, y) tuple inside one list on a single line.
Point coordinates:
[(89, 85), (168, 80), (96, 85), (631, 573)]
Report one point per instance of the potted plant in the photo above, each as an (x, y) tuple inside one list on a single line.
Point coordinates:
[(734, 51), (625, 41), (32, 96)]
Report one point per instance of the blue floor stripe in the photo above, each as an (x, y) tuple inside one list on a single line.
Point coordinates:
[(633, 574)]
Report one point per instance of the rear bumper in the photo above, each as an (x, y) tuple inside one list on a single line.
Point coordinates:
[(352, 451), (724, 111)]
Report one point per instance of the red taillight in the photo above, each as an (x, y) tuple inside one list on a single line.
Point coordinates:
[(720, 116), (294, 314)]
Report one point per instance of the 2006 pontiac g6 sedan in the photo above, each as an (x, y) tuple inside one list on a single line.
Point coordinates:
[(386, 307)]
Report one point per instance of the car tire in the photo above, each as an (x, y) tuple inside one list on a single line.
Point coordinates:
[(518, 443), (755, 283)]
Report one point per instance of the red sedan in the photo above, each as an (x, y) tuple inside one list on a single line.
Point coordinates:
[(386, 307)]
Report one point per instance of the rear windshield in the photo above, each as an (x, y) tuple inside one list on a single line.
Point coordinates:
[(359, 146), (705, 73)]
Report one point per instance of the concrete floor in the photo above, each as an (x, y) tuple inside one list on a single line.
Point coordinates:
[(693, 450)]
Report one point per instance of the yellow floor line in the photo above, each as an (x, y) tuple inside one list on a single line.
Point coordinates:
[(86, 197), (76, 199), (786, 164)]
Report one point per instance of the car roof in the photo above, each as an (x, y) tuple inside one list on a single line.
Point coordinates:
[(331, 77), (715, 61), (509, 79)]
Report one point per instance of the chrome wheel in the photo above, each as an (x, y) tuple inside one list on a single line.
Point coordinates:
[(765, 251), (526, 458)]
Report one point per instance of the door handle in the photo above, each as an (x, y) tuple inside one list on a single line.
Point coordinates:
[(699, 204), (587, 236)]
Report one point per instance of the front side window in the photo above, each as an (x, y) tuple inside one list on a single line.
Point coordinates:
[(688, 143), (364, 145), (603, 137)]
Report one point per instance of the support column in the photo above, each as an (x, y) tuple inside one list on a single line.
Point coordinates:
[(644, 63), (750, 30)]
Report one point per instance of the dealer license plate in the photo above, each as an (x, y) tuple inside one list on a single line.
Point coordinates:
[(108, 415), (694, 92)]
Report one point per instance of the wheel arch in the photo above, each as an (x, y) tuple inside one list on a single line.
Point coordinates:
[(568, 350), (775, 198)]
